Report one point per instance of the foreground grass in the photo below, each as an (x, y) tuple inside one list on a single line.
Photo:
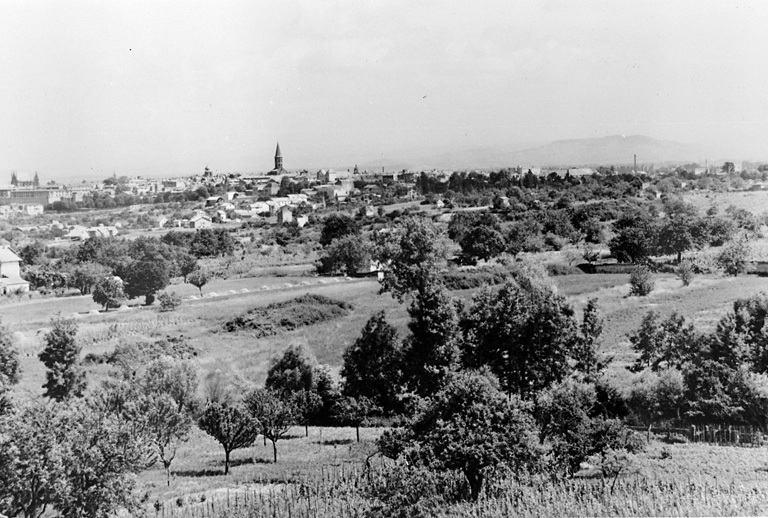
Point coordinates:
[(665, 480), (198, 470)]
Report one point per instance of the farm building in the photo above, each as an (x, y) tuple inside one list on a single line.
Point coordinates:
[(10, 274)]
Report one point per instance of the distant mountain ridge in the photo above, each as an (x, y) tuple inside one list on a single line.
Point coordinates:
[(610, 150)]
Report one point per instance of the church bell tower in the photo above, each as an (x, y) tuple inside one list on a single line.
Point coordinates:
[(278, 158)]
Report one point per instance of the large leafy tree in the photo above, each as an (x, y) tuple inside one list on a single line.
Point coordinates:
[(655, 396), (69, 457), (231, 425), (86, 275), (108, 292), (209, 242), (680, 233), (32, 460), (525, 332), (372, 365), (663, 344), (432, 350), (103, 457), (292, 372), (65, 377), (741, 336), (636, 239), (9, 366), (468, 426), (566, 421), (337, 226), (412, 255), (146, 277), (483, 242), (347, 255)]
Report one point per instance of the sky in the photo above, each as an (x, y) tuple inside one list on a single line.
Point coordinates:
[(92, 88)]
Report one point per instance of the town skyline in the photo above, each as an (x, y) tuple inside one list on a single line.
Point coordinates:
[(94, 89)]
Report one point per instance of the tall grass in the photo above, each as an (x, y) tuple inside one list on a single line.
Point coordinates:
[(345, 491)]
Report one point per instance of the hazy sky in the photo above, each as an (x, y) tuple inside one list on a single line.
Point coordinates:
[(160, 87)]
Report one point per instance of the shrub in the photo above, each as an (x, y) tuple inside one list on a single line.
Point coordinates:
[(169, 301), (144, 352), (554, 242), (475, 278), (734, 257), (555, 269), (277, 317), (640, 281), (685, 272)]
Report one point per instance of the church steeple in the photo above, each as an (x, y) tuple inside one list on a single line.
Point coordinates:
[(278, 158)]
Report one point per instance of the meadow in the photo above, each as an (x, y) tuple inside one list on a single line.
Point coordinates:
[(320, 474), (665, 480)]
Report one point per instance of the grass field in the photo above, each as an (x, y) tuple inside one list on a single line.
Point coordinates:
[(755, 202), (664, 480), (244, 359)]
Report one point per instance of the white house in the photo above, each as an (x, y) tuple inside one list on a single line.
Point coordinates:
[(201, 221), (10, 274), (284, 215)]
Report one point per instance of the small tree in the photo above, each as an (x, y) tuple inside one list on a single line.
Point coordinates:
[(108, 293), (685, 272), (165, 425), (169, 301), (734, 258), (351, 411), (274, 415), (176, 378), (308, 404), (586, 355), (199, 278), (187, 264), (640, 281), (65, 377), (231, 425)]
